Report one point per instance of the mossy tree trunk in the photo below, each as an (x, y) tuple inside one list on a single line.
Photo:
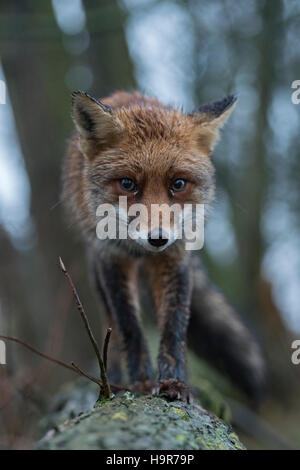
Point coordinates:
[(134, 423)]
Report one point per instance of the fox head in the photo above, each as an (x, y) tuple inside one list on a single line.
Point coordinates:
[(151, 155)]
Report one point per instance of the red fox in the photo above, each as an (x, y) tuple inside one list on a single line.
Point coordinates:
[(133, 146)]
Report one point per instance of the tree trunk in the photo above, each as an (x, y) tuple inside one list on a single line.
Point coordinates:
[(142, 423)]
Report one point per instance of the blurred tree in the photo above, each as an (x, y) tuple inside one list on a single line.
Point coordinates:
[(36, 65)]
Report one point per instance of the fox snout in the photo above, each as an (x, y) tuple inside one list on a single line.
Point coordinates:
[(157, 238)]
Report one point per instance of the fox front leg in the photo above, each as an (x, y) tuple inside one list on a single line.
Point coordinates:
[(172, 288), (119, 288)]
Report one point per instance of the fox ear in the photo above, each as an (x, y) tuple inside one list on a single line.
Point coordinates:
[(210, 118), (95, 122)]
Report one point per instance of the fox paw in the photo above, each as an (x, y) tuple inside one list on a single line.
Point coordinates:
[(143, 387), (172, 389)]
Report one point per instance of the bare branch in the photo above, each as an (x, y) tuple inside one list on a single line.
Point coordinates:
[(105, 347), (52, 359), (84, 374), (106, 387), (103, 383), (36, 351), (73, 367)]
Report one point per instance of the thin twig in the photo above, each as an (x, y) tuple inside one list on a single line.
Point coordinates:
[(105, 383), (105, 347), (73, 367), (44, 356), (84, 374)]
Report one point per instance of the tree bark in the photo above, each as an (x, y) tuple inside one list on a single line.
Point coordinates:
[(142, 423)]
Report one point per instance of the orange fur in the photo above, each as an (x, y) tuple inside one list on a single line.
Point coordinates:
[(139, 138), (128, 135)]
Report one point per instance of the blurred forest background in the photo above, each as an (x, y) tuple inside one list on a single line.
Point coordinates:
[(185, 52)]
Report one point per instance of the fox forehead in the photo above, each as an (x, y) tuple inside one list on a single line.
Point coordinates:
[(158, 160), (146, 121), (156, 122), (156, 142), (142, 128)]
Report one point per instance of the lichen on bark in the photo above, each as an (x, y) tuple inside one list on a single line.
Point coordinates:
[(129, 422)]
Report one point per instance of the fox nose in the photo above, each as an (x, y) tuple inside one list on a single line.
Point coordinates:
[(157, 239)]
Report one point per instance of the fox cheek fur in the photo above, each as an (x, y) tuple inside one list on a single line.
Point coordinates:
[(128, 135)]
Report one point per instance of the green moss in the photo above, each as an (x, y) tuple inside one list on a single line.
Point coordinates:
[(180, 413), (121, 415), (239, 446), (101, 401)]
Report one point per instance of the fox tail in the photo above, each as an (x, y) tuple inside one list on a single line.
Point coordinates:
[(218, 335)]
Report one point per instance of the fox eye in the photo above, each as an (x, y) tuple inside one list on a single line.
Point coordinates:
[(128, 184), (178, 185)]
